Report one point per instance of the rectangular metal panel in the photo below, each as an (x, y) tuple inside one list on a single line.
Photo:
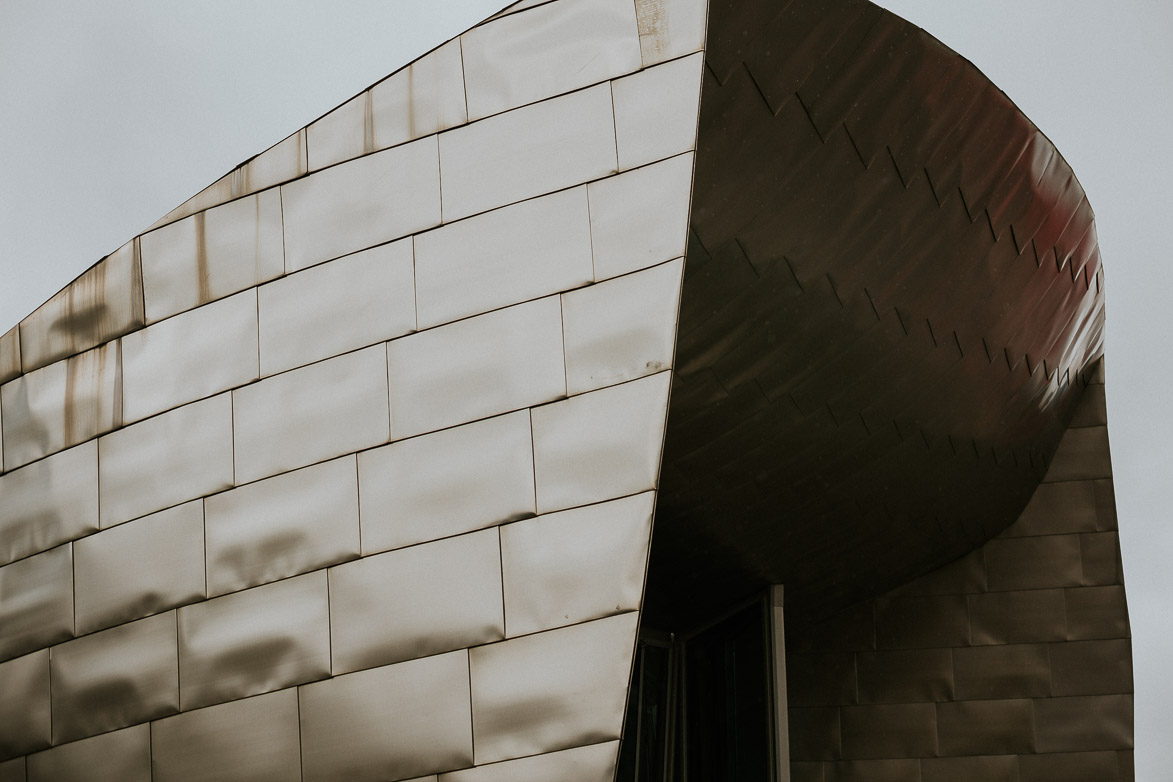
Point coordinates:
[(281, 162), (1100, 554), (530, 249), (446, 483), (37, 605), (600, 445), (558, 689), (823, 679), (339, 306), (1069, 506), (814, 733), (416, 601), (1005, 671), (25, 708), (554, 49), (118, 677), (989, 768), (527, 152), (425, 97), (105, 302), (12, 770), (388, 723), (1096, 612), (581, 564), (1083, 723), (997, 727), (263, 639), (212, 254), (344, 133), (621, 329), (121, 756), (1105, 766), (282, 526), (1091, 667), (166, 460), (670, 28), (1036, 562), (314, 413), (199, 353), (49, 502), (903, 676), (593, 763), (140, 568), (9, 354), (252, 740), (889, 731), (1017, 617), (640, 217), (60, 405), (876, 770), (361, 203), (1082, 455), (922, 622), (656, 111), (482, 366)]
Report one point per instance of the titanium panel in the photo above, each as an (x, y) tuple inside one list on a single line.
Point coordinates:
[(656, 111), (621, 329), (10, 354), (997, 727), (36, 601), (670, 28), (593, 763), (105, 302), (60, 405), (416, 601), (282, 526), (263, 639), (553, 49), (251, 740), (49, 502), (361, 203), (213, 254), (1082, 454), (482, 366), (344, 133), (550, 691), (903, 730), (140, 568), (600, 445), (640, 217), (12, 770), (165, 460), (313, 413), (523, 251), (581, 564), (118, 677), (191, 356), (121, 756), (398, 721), (25, 708), (447, 482), (339, 306), (529, 151), (285, 160)]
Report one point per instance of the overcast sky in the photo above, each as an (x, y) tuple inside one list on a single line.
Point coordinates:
[(116, 112)]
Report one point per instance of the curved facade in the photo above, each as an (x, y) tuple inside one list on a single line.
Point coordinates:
[(347, 467)]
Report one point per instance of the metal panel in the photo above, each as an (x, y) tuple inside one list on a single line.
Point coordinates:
[(521, 252), (212, 254), (1017, 617), (60, 405), (1096, 612), (656, 111), (49, 502), (922, 622), (558, 689), (37, 605), (906, 730), (1003, 671), (344, 133), (1082, 454), (1091, 667), (166, 460), (996, 727), (9, 354), (388, 723), (621, 329), (989, 768), (1083, 723), (553, 49), (12, 770), (416, 601), (1035, 562), (252, 740), (361, 203), (311, 414), (600, 445), (141, 568), (640, 218), (282, 526), (251, 642), (191, 356), (1065, 767), (446, 483), (670, 28), (580, 564), (118, 677), (905, 676), (25, 708), (593, 763), (1069, 506), (281, 162), (105, 302), (339, 306), (121, 756), (527, 152), (505, 360)]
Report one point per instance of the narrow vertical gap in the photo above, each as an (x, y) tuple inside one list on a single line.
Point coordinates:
[(501, 565), (300, 744), (472, 733), (463, 77), (533, 454), (614, 124), (439, 180), (358, 503), (565, 362), (590, 232)]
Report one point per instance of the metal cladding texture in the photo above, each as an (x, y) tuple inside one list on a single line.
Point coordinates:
[(346, 468)]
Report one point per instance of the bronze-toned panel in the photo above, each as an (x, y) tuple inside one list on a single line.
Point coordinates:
[(12, 770), (852, 629), (806, 772), (1100, 552), (873, 771), (1096, 612), (1105, 504), (593, 763), (1125, 762), (1082, 455), (988, 768), (121, 756), (1055, 508), (25, 707), (1004, 671), (1001, 727), (961, 576), (1034, 562), (37, 609), (1092, 409), (1091, 667), (898, 676), (814, 733), (1017, 617), (920, 622), (821, 679), (907, 730), (1084, 723), (1070, 767)]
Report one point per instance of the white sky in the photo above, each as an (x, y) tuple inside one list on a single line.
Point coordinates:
[(116, 112)]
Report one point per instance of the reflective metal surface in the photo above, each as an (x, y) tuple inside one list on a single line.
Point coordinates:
[(49, 502), (25, 708), (121, 756), (553, 49), (670, 28), (594, 763), (37, 605), (10, 354), (656, 111)]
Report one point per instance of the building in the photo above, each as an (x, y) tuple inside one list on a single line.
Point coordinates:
[(347, 467)]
